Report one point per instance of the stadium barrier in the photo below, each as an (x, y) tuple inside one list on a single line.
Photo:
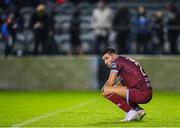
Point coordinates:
[(79, 73)]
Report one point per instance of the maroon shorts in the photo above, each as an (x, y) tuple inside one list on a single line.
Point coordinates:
[(137, 96)]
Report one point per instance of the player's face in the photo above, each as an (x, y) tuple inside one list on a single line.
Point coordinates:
[(107, 59)]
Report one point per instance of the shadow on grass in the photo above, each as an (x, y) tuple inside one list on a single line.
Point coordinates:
[(116, 123)]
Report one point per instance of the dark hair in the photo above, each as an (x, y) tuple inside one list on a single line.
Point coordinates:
[(109, 50)]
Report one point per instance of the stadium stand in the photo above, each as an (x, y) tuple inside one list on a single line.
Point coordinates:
[(62, 16)]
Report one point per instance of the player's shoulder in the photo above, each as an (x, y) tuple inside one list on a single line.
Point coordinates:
[(115, 62), (125, 58), (119, 58)]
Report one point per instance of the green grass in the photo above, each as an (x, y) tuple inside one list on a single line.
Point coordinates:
[(83, 109)]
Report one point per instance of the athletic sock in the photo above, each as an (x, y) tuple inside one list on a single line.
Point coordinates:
[(119, 101), (135, 106)]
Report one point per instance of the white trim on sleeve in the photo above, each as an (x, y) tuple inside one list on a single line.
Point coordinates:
[(113, 70)]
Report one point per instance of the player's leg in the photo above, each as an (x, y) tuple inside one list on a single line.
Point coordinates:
[(138, 109), (139, 97), (122, 91), (119, 101), (119, 90), (135, 106), (112, 93)]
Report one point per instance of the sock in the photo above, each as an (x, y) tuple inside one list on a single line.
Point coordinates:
[(135, 106), (119, 101)]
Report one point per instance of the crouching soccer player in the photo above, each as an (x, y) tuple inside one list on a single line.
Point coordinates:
[(134, 87)]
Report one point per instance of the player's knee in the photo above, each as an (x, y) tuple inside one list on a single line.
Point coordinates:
[(103, 94), (106, 91), (107, 95)]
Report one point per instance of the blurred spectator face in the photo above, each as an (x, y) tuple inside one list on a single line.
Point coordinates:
[(101, 4), (158, 14), (141, 10), (41, 9), (9, 19)]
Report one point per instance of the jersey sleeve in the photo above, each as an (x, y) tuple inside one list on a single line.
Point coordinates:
[(114, 66)]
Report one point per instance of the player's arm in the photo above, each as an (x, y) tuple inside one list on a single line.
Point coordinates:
[(111, 80)]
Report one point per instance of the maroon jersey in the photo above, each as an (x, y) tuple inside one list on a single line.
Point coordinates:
[(130, 73)]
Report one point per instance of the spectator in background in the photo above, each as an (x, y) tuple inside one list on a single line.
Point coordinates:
[(158, 28), (1, 23), (101, 24), (9, 33), (121, 24), (40, 24), (173, 27), (75, 33), (143, 34)]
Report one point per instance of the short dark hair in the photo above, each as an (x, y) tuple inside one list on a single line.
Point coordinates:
[(109, 50)]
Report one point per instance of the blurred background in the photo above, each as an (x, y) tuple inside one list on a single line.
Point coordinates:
[(55, 44)]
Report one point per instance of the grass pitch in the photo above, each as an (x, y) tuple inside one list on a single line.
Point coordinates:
[(82, 109)]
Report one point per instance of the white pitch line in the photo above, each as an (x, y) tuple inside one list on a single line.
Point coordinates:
[(38, 118)]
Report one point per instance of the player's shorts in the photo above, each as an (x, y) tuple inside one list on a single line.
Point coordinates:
[(137, 96)]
